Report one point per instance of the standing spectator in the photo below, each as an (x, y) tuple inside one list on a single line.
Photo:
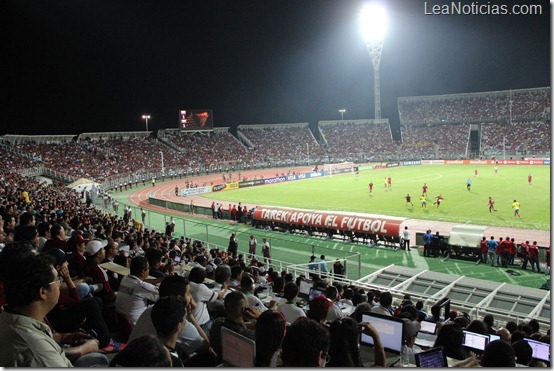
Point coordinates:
[(252, 244), (427, 238), (266, 252), (322, 264), (338, 269), (483, 250), (534, 257), (492, 245), (233, 246), (524, 251), (406, 239)]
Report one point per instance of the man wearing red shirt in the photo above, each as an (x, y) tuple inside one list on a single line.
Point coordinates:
[(370, 187), (524, 250), (534, 257), (530, 179), (506, 252), (483, 250), (424, 189)]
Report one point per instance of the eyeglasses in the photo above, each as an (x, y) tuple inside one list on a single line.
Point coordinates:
[(59, 280)]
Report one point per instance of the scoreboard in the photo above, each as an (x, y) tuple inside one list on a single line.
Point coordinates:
[(196, 119)]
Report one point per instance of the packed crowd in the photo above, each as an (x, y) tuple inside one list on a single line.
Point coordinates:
[(418, 141), (522, 138), (283, 144), (345, 139), (519, 105)]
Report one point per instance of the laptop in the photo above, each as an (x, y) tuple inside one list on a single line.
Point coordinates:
[(428, 327), (541, 351), (237, 350), (493, 337), (432, 358), (474, 341), (304, 289), (314, 293)]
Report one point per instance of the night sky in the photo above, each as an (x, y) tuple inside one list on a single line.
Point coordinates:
[(73, 66)]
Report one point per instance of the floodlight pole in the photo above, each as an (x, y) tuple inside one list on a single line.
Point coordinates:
[(374, 48), (308, 149), (146, 117), (342, 111), (163, 169)]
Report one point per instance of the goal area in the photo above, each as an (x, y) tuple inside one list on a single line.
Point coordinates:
[(340, 168)]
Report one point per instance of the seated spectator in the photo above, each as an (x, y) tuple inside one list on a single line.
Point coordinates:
[(134, 293), (344, 350), (478, 327), (523, 352), (290, 310), (385, 302), (25, 340), (154, 257), (248, 288), (145, 351), (451, 338), (95, 254), (58, 240), (334, 311), (306, 344), (270, 331), (498, 353), (237, 310), (169, 319), (78, 262), (222, 277), (409, 333), (318, 308), (192, 337), (202, 295)]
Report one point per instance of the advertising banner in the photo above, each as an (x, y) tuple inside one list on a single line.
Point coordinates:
[(218, 187), (361, 223), (410, 163), (233, 185), (195, 191), (251, 183)]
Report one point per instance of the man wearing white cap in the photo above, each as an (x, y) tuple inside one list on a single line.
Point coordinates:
[(95, 254)]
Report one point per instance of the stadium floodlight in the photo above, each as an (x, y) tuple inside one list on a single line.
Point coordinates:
[(342, 111), (146, 117), (374, 25)]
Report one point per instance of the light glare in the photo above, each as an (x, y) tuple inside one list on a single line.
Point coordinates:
[(374, 22)]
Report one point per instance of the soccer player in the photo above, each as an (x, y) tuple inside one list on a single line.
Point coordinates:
[(516, 207), (370, 186), (475, 171), (176, 191), (530, 179), (409, 200), (439, 198), (468, 184), (389, 181), (386, 183), (357, 174), (491, 205), (424, 189), (423, 201), (495, 169)]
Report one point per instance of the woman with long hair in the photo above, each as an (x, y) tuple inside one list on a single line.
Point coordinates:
[(270, 331)]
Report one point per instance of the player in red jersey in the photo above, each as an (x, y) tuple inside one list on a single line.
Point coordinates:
[(491, 205), (438, 200), (530, 179), (370, 186), (424, 188), (389, 181), (475, 171), (409, 200)]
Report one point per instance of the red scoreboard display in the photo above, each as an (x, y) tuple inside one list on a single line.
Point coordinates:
[(196, 119)]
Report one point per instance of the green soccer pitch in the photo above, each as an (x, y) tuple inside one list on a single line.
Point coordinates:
[(347, 192)]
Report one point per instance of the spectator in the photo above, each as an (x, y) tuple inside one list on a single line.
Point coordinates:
[(319, 307), (236, 310), (498, 353), (270, 331), (290, 310), (306, 344), (95, 254), (145, 351), (385, 302), (450, 337), (134, 293), (169, 319), (202, 295), (334, 311)]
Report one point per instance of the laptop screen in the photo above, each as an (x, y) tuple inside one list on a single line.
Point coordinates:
[(493, 337), (541, 351), (304, 288), (431, 358), (389, 328), (428, 327), (475, 341), (237, 350), (315, 292)]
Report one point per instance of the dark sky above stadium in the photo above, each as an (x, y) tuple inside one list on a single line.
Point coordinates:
[(73, 66)]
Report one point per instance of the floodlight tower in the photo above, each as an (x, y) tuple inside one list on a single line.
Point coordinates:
[(146, 117), (374, 22)]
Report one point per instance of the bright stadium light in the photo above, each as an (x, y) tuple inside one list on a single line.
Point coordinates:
[(374, 25), (146, 117)]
